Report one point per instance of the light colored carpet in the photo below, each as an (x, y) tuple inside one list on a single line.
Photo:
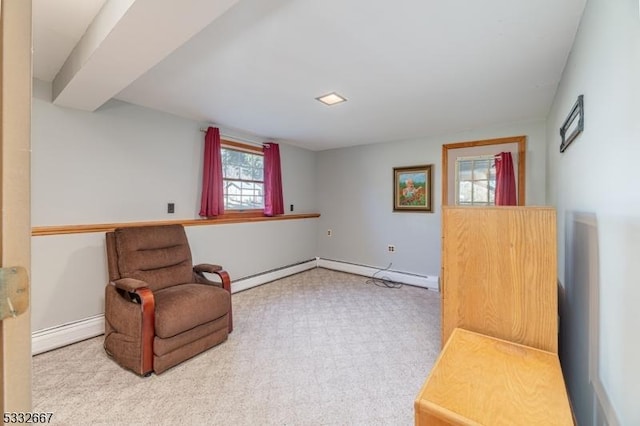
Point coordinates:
[(316, 348)]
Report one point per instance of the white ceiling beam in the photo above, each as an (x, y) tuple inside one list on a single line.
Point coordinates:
[(127, 38)]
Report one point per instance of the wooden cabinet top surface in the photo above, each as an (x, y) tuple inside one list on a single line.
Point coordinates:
[(479, 379)]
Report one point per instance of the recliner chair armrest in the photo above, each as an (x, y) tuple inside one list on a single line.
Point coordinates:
[(129, 284), (199, 271), (198, 275), (141, 294), (206, 267)]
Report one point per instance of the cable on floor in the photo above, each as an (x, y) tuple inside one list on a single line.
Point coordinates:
[(383, 281)]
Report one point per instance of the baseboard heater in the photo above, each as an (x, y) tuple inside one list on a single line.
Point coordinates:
[(426, 281), (66, 334), (62, 335)]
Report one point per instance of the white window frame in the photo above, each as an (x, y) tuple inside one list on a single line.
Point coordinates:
[(488, 180), (246, 149)]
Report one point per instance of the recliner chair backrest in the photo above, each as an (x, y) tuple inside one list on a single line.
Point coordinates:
[(158, 255)]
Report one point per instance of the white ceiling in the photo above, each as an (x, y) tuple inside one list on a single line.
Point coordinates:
[(57, 27), (409, 69)]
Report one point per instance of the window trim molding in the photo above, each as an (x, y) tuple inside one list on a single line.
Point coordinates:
[(522, 160), (242, 146)]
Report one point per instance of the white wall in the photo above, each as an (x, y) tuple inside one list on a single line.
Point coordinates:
[(69, 272), (594, 186), (298, 179), (355, 190), (124, 163)]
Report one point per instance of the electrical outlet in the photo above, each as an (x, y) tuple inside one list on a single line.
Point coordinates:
[(171, 208), (391, 248), (328, 232)]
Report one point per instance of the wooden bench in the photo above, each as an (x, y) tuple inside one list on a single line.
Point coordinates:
[(481, 380)]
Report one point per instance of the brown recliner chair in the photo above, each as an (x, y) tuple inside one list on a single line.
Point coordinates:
[(160, 309)]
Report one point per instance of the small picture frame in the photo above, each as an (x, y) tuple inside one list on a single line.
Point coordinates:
[(573, 125), (412, 189)]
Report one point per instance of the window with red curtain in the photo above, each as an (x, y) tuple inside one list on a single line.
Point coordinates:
[(505, 180), (273, 200), (475, 180), (243, 178)]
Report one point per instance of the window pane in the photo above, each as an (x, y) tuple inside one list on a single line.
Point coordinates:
[(258, 173), (492, 191), (231, 171), (464, 170), (481, 169), (243, 179), (251, 160), (464, 192), (249, 203), (243, 195), (229, 156), (475, 181), (232, 187), (246, 173), (480, 191), (234, 201)]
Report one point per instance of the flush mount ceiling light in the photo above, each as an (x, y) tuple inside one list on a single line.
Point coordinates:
[(331, 98)]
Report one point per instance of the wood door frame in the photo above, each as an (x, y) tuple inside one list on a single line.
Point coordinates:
[(15, 190), (522, 152)]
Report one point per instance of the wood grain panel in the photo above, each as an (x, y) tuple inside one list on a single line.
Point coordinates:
[(500, 275), (480, 380)]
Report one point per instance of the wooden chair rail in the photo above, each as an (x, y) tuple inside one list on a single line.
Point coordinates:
[(37, 231)]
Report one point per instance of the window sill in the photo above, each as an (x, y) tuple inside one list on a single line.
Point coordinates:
[(222, 220), (230, 214)]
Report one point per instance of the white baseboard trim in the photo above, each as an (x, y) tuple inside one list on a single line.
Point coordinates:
[(66, 334), (276, 274), (426, 281)]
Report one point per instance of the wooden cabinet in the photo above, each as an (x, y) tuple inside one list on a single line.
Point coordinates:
[(499, 273), (480, 380)]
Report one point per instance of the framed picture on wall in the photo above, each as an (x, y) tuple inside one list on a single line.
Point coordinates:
[(412, 189)]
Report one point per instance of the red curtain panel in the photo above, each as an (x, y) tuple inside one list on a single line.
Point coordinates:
[(273, 201), (212, 201), (505, 180)]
